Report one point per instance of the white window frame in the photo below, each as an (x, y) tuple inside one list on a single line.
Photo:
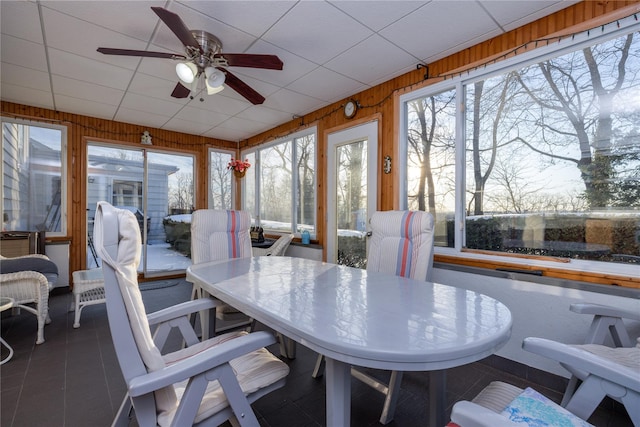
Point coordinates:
[(569, 44), (63, 169)]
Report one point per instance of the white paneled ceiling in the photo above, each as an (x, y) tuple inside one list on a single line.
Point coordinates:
[(330, 50)]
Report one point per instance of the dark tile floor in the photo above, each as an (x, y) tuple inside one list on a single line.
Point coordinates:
[(73, 379)]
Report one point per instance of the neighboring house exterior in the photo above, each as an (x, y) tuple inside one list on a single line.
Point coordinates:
[(120, 182)]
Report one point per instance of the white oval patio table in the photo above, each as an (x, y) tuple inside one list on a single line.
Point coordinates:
[(356, 317)]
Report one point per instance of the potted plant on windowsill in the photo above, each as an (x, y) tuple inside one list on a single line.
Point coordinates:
[(239, 167)]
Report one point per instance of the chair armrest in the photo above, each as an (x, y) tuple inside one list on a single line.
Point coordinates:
[(469, 414), (605, 310), (584, 361), (182, 309), (199, 363)]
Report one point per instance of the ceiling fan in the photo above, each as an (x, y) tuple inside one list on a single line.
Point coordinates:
[(203, 57)]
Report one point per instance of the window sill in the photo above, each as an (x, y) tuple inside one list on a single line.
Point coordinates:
[(559, 268)]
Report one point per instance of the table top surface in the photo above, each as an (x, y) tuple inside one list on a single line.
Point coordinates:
[(363, 318)]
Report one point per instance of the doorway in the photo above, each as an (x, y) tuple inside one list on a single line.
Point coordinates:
[(352, 192), (158, 188)]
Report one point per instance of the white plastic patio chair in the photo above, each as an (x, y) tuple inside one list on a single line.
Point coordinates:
[(486, 409), (598, 370), (604, 371), (278, 248), (205, 383), (401, 243), (217, 235)]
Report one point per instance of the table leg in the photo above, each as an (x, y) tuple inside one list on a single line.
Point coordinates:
[(437, 397), (338, 392)]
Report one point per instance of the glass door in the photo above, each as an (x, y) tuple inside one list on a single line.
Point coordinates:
[(158, 189), (352, 196)]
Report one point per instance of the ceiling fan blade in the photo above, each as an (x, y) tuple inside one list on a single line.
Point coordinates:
[(241, 87), (180, 91), (145, 53), (270, 62), (175, 24)]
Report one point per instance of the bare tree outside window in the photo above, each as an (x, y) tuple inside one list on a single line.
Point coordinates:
[(552, 156), (220, 177)]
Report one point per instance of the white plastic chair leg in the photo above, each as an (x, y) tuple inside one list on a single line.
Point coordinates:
[(586, 398)]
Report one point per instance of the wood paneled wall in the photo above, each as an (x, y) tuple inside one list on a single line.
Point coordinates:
[(379, 103)]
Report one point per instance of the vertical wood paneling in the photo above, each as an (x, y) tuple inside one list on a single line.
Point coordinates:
[(375, 101)]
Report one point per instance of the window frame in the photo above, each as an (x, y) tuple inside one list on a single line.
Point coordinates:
[(255, 150), (65, 184), (457, 83)]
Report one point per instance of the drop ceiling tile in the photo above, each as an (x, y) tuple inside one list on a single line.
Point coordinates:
[(179, 124), (24, 53), (359, 64), (444, 24), (249, 127), (205, 117), (226, 134), (25, 77), (325, 84), (143, 118), (88, 91), (131, 18), (144, 84), (26, 95), (253, 17), (292, 102), (160, 106), (265, 115), (20, 19), (88, 107), (377, 14), (88, 70), (511, 15), (320, 38), (87, 37)]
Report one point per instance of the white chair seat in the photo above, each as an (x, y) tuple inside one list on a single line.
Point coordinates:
[(254, 371)]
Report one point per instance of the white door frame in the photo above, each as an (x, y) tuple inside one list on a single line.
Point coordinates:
[(366, 131)]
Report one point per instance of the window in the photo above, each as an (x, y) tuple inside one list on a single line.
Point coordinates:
[(284, 175), (220, 180), (544, 157), (33, 177)]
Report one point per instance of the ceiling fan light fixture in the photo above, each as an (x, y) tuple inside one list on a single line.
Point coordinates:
[(214, 79), (186, 71)]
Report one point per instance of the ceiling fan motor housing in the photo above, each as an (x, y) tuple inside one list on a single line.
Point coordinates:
[(211, 45)]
